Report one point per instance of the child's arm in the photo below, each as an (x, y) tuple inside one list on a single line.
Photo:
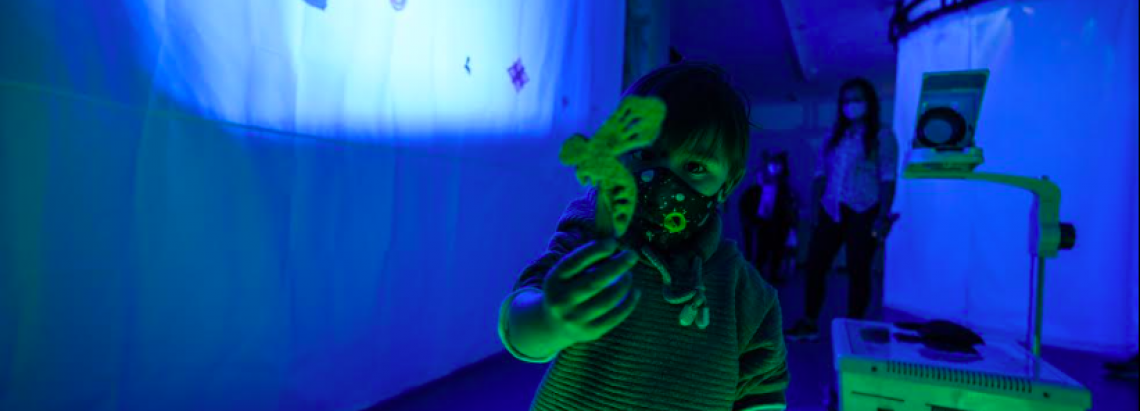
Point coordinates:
[(763, 359), (531, 336), (520, 321), (764, 368), (567, 297), (558, 302)]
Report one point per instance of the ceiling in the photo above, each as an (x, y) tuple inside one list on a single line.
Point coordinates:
[(825, 42)]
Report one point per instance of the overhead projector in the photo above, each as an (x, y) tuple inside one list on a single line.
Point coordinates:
[(882, 367)]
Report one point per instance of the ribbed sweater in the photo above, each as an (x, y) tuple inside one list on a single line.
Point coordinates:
[(652, 361)]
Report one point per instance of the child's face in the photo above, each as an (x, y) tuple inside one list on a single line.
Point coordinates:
[(775, 168), (705, 175)]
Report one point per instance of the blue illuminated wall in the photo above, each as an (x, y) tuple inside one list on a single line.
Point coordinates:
[(1061, 102), (309, 205), (365, 69)]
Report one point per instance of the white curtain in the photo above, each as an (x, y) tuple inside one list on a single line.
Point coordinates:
[(1061, 102), (646, 38), (295, 205)]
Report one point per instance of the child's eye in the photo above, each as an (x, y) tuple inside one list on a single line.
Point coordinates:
[(696, 168)]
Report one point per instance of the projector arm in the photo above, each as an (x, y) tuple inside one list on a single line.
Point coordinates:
[(1047, 234)]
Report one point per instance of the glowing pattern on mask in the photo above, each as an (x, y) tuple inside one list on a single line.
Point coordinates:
[(675, 221)]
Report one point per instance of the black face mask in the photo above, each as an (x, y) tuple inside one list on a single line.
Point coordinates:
[(669, 212)]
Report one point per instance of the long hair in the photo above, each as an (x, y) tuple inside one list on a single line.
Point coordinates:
[(871, 120)]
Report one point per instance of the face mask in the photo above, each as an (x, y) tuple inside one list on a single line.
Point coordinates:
[(669, 212), (854, 111)]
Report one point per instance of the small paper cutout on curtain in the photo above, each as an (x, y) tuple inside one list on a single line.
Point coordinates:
[(467, 65), (398, 4), (518, 75)]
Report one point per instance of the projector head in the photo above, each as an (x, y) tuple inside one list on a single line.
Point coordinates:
[(947, 117)]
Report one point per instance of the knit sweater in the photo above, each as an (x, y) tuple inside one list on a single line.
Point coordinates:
[(734, 359)]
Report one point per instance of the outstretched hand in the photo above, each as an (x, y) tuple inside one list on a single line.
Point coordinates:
[(590, 291)]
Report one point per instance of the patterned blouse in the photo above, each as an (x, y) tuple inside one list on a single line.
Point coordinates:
[(853, 178)]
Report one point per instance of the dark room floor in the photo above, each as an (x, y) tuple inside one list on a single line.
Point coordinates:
[(811, 369)]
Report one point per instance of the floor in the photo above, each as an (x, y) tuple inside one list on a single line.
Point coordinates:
[(811, 370)]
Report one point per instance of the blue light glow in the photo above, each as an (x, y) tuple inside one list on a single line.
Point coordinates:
[(164, 247), (366, 69), (1053, 107)]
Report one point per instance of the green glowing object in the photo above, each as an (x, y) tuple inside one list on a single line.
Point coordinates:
[(634, 125)]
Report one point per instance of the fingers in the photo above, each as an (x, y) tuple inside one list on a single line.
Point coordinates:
[(600, 277), (591, 290), (616, 316), (602, 301), (583, 257)]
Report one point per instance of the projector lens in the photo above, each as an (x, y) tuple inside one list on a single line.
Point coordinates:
[(938, 132), (941, 128)]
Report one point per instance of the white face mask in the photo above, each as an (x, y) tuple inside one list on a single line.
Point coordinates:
[(854, 111)]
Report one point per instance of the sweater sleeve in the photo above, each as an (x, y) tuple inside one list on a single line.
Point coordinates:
[(763, 360), (561, 243)]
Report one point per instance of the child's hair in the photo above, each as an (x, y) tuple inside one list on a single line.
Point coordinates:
[(706, 114)]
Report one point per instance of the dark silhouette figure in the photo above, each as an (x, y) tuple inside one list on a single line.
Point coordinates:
[(767, 215)]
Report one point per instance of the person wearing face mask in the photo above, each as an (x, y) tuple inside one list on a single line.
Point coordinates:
[(768, 213), (748, 207), (670, 316), (854, 187)]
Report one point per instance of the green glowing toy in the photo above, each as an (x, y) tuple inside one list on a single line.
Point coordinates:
[(634, 125)]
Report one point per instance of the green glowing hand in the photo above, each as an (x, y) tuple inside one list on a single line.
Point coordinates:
[(590, 291)]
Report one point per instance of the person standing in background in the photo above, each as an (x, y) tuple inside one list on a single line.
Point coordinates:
[(774, 215), (749, 220), (854, 187)]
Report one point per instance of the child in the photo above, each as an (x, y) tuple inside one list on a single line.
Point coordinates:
[(749, 220), (768, 213), (660, 319)]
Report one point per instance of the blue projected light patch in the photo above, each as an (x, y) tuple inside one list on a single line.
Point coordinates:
[(359, 68)]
